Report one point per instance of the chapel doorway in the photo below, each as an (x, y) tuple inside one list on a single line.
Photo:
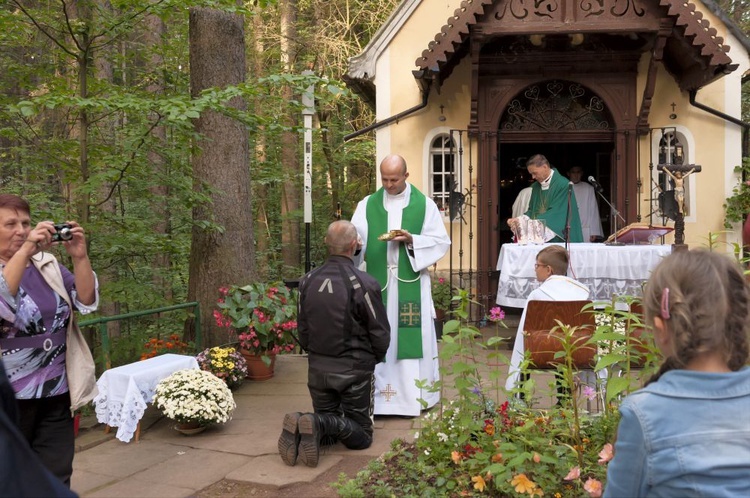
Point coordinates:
[(593, 157)]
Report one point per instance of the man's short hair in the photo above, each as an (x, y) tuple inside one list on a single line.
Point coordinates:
[(556, 257), (537, 160), (339, 237)]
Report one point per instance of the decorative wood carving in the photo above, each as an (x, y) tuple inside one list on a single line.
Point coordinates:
[(694, 53), (556, 106)]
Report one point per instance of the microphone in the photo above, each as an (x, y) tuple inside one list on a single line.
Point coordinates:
[(595, 184)]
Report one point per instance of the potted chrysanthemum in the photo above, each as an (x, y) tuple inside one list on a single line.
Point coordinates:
[(194, 399), (225, 362)]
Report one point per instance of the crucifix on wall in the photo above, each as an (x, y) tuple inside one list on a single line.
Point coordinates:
[(678, 173)]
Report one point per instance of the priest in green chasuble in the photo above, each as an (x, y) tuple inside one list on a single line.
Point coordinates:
[(549, 201), (403, 234)]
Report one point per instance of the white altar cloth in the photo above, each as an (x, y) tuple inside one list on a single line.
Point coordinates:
[(605, 270), (124, 391)]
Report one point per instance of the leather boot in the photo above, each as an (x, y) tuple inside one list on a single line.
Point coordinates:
[(333, 426), (290, 438), (309, 443)]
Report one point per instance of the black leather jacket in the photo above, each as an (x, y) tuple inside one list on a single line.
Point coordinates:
[(342, 321)]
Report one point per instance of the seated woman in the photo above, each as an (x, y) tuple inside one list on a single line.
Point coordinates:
[(550, 268)]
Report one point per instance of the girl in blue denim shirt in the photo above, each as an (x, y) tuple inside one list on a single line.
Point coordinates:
[(687, 433)]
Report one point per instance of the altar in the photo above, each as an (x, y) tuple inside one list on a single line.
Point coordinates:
[(124, 391), (605, 269)]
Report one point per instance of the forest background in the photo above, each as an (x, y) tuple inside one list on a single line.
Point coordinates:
[(171, 130)]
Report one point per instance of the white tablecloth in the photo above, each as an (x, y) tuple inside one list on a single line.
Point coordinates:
[(605, 270), (124, 391)]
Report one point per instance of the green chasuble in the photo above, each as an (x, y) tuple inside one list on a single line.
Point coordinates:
[(409, 291), (551, 205)]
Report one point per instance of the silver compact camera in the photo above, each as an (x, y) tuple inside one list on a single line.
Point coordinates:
[(64, 231)]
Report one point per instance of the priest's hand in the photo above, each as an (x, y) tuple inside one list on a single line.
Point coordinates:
[(405, 237), (513, 223)]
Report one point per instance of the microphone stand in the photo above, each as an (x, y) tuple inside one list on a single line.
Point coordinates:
[(567, 217), (615, 215)]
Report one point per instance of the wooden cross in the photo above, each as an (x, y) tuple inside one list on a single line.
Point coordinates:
[(678, 173), (410, 315), (388, 392)]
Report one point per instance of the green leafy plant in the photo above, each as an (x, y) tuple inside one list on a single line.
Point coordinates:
[(477, 444), (441, 294), (263, 316), (737, 206)]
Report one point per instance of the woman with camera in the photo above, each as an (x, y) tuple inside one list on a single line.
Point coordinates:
[(37, 334)]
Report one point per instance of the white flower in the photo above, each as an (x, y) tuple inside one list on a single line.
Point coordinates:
[(442, 437), (195, 396)]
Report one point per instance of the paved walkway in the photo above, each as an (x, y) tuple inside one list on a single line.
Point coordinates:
[(166, 463)]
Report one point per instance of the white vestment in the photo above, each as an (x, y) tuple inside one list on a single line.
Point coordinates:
[(555, 288), (588, 209), (395, 390), (521, 204)]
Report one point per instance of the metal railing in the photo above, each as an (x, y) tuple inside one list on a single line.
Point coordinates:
[(104, 335)]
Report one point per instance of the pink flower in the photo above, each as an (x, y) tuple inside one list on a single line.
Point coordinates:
[(441, 280), (574, 474), (496, 314), (606, 454), (593, 487), (589, 392)]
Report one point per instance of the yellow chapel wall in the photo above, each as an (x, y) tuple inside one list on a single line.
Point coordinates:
[(397, 90)]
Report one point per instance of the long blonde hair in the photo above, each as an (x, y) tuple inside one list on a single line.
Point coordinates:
[(704, 299)]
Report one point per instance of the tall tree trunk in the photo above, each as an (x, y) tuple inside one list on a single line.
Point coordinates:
[(152, 37), (104, 71), (259, 189), (290, 201), (219, 257)]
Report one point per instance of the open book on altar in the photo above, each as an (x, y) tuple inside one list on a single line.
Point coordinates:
[(637, 233)]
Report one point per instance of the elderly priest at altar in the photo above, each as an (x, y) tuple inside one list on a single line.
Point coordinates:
[(549, 202)]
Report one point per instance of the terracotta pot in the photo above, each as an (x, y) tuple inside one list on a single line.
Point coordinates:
[(256, 367), (543, 345), (189, 428)]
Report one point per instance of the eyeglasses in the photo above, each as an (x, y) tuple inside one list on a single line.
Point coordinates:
[(537, 265)]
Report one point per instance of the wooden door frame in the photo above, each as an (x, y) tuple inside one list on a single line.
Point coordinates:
[(492, 94)]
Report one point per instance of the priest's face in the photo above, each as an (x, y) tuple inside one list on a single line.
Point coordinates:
[(539, 173), (393, 175)]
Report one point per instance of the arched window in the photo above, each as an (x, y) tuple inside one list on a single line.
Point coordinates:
[(442, 170)]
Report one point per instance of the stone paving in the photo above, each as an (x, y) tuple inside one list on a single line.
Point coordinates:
[(165, 463)]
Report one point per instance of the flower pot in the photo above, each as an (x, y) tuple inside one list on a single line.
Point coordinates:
[(189, 428), (256, 367)]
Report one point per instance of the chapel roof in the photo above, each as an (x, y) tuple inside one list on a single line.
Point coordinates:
[(694, 54)]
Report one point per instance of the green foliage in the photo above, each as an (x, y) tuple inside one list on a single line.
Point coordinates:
[(737, 206), (475, 445), (624, 344), (263, 316), (128, 178)]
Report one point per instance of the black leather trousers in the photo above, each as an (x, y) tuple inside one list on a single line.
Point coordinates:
[(344, 405)]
